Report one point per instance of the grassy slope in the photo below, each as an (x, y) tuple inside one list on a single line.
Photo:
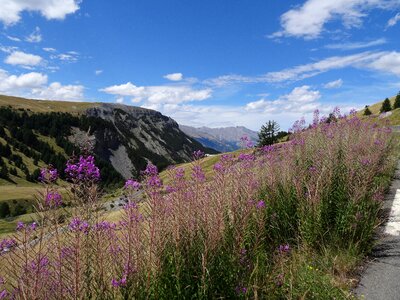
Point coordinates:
[(45, 105), (394, 118)]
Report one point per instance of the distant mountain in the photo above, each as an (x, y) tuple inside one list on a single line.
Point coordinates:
[(125, 138), (223, 139)]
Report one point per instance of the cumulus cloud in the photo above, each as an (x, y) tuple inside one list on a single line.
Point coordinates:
[(356, 45), (174, 76), (35, 36), (11, 83), (300, 99), (98, 72), (34, 85), (10, 12), (308, 20), (159, 95), (393, 21), (334, 84), (23, 59), (57, 91)]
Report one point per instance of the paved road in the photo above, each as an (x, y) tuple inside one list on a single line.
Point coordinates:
[(381, 278)]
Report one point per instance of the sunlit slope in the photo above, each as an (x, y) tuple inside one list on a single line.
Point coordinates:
[(46, 105)]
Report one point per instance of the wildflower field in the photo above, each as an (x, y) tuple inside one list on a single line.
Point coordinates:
[(288, 221)]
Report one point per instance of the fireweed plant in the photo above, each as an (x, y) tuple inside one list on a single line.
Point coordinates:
[(236, 236)]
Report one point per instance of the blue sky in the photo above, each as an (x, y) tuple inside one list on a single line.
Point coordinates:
[(213, 63)]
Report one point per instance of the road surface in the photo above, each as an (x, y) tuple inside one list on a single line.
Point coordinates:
[(381, 278)]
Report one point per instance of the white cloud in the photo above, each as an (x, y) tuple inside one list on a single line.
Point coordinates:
[(23, 59), (98, 72), (334, 84), (13, 38), (35, 36), (66, 57), (308, 20), (382, 61), (174, 76), (57, 91), (393, 21), (163, 94), (356, 45), (34, 85), (49, 49), (300, 99), (360, 60), (388, 62), (120, 100), (8, 49), (11, 83), (10, 12), (230, 79)]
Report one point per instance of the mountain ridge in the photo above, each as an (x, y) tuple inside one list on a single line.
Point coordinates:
[(223, 139)]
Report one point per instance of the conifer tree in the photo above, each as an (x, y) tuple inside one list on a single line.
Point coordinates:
[(367, 111), (386, 106), (268, 133), (397, 101)]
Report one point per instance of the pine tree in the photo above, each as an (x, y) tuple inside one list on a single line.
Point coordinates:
[(397, 101), (386, 106), (268, 133), (4, 209), (4, 172), (367, 111)]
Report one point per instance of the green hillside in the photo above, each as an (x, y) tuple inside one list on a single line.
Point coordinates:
[(393, 117)]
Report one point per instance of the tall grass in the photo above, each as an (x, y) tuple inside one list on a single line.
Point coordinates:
[(257, 230)]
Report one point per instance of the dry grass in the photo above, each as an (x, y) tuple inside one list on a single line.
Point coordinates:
[(46, 105)]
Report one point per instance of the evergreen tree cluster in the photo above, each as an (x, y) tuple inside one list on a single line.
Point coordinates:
[(23, 128)]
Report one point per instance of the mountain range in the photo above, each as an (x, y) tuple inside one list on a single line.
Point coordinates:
[(222, 139)]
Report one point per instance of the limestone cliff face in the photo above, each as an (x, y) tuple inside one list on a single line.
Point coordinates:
[(133, 136)]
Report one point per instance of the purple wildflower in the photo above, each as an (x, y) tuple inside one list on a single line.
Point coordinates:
[(79, 225), (365, 161), (154, 181), (3, 294), (218, 167), (48, 175), (83, 170), (246, 142), (20, 226), (33, 226), (284, 248), (151, 170), (53, 200), (198, 174), (131, 184), (240, 290), (179, 173), (7, 244), (170, 189), (246, 157), (312, 169), (198, 154), (260, 204)]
